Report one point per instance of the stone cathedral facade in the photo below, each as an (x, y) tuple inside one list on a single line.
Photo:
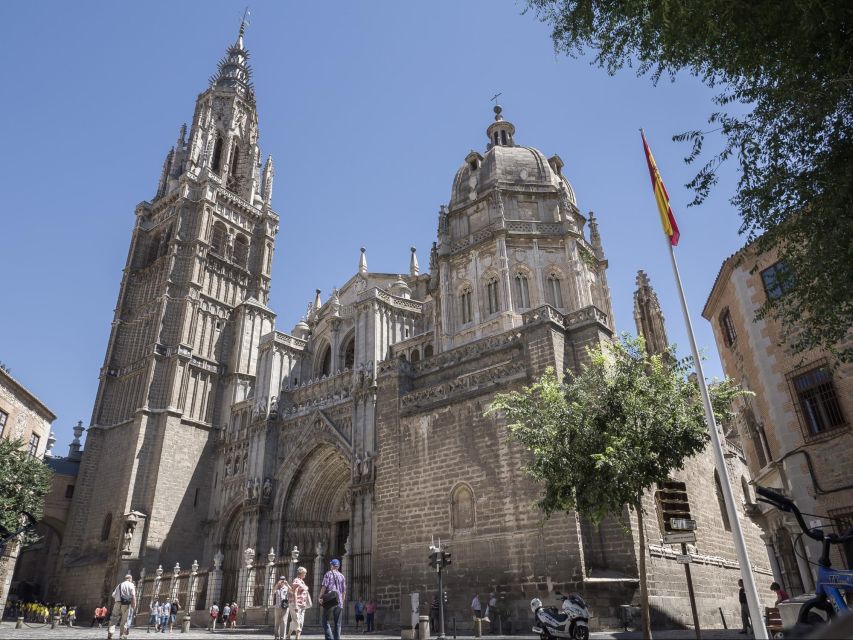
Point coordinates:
[(361, 432)]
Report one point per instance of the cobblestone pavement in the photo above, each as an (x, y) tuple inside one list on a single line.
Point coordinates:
[(7, 630)]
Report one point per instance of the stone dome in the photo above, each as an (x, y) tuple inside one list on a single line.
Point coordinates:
[(507, 163)]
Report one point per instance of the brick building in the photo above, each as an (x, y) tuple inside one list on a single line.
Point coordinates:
[(360, 433), (796, 428), (26, 418)]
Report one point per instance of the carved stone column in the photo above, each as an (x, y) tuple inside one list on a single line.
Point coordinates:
[(294, 562), (189, 605), (346, 563), (214, 580), (318, 576), (247, 580), (270, 584), (173, 584), (158, 578)]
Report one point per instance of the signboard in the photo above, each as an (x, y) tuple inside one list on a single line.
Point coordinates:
[(682, 524), (685, 536), (682, 559)]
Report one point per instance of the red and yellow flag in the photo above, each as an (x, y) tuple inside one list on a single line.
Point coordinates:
[(667, 219)]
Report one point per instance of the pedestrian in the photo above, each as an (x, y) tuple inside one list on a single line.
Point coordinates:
[(492, 613), (370, 613), (173, 614), (358, 607), (300, 600), (781, 594), (232, 619), (124, 603), (476, 607), (165, 614), (281, 608), (333, 595), (154, 614), (214, 614), (744, 609), (102, 614), (225, 614)]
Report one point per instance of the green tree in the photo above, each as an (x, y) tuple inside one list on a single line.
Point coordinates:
[(604, 436), (24, 482), (786, 69)]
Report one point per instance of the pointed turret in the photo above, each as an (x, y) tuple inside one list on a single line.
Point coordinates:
[(269, 176), (648, 316), (362, 261), (414, 267), (595, 237)]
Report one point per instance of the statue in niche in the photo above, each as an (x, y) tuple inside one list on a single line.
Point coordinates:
[(228, 467), (129, 528), (267, 490), (250, 489), (217, 561), (257, 488)]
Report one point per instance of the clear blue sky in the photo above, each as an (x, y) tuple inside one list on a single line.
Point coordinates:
[(368, 108)]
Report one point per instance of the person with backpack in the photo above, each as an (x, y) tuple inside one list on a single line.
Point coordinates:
[(173, 614), (333, 595), (124, 603)]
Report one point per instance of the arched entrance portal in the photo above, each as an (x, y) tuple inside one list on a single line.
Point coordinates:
[(316, 508), (232, 559)]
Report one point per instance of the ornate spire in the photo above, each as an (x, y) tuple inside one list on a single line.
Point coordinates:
[(414, 267), (234, 70), (269, 175), (648, 316)]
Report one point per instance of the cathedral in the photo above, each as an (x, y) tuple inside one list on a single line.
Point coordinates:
[(220, 440)]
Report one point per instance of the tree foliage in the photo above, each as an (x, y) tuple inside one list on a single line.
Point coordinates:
[(787, 69), (603, 436), (24, 482)]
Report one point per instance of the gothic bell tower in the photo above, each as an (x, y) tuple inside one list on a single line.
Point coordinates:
[(191, 307)]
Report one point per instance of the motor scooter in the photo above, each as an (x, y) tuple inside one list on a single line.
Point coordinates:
[(571, 620)]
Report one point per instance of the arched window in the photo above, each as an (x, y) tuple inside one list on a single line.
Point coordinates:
[(493, 297), (326, 362), (241, 250), (496, 138), (462, 507), (522, 293), (553, 292), (216, 161), (465, 305), (349, 354), (428, 351), (235, 160), (105, 528), (721, 502), (416, 356), (217, 239), (503, 137)]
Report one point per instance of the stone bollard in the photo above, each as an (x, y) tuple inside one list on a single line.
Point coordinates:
[(55, 622), (478, 627), (19, 624), (423, 628), (185, 623)]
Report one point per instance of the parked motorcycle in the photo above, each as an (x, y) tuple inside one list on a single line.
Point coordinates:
[(569, 621)]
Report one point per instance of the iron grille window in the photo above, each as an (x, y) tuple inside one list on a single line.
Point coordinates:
[(727, 326), (465, 303), (33, 446), (842, 519), (816, 400), (522, 291), (553, 291), (3, 417), (777, 280), (493, 296)]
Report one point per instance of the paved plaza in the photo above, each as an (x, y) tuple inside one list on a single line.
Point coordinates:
[(7, 630)]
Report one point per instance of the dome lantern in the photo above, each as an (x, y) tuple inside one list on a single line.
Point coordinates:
[(501, 131)]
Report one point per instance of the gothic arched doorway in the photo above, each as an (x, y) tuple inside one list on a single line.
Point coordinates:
[(232, 558), (316, 508)]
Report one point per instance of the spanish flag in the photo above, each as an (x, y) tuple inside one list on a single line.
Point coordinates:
[(667, 219)]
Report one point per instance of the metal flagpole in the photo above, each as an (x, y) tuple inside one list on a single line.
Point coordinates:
[(756, 618)]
